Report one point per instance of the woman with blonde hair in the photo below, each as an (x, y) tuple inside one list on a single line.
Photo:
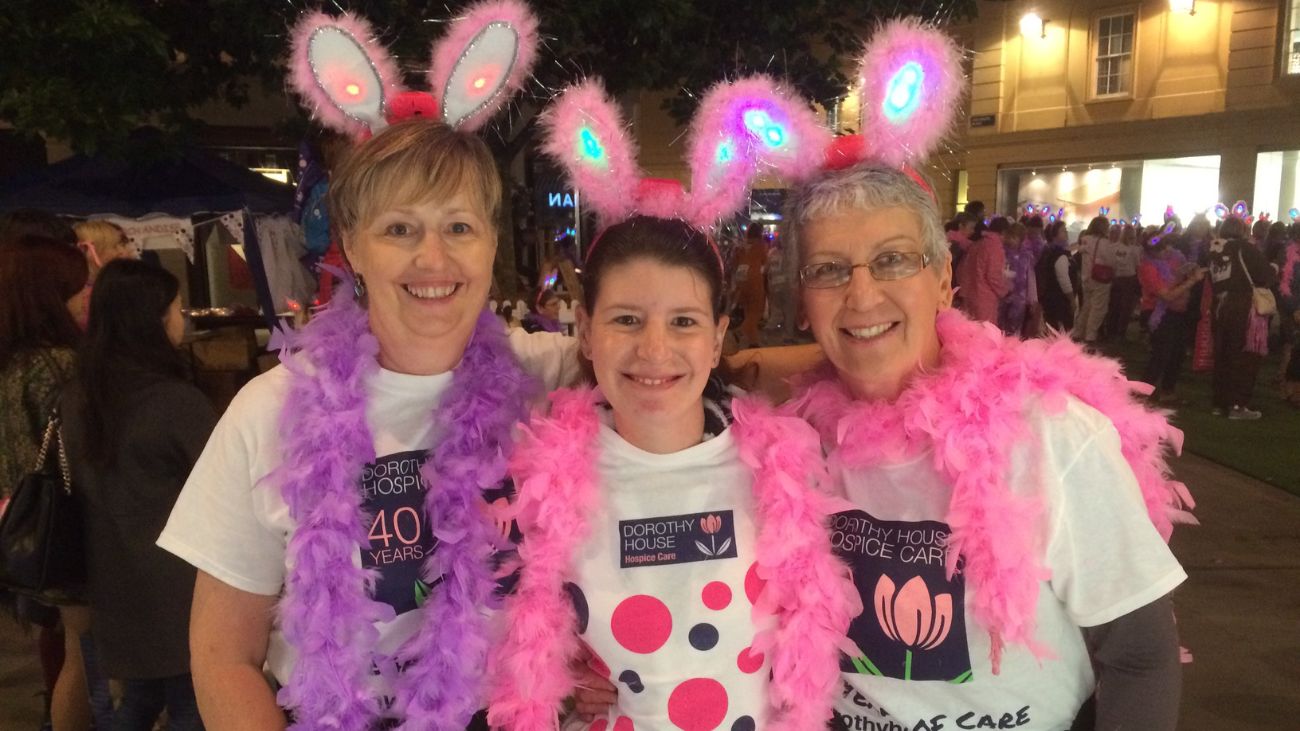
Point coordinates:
[(102, 241), (339, 515)]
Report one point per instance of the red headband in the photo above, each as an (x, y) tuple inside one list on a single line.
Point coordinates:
[(846, 151)]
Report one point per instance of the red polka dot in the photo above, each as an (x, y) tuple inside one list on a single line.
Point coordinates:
[(749, 661), (599, 724), (623, 724), (716, 595), (753, 584), (698, 704), (641, 624)]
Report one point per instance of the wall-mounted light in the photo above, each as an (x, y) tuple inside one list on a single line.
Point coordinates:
[(1183, 6), (1032, 25)]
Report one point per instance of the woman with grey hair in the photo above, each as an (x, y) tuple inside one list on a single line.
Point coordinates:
[(994, 488)]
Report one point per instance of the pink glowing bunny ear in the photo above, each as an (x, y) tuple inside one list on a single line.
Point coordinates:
[(912, 85), (345, 77), (483, 61), (584, 134), (743, 128)]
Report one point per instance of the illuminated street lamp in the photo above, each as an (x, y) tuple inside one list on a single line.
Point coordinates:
[(1032, 25), (1183, 6)]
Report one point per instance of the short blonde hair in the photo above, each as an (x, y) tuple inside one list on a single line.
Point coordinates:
[(413, 161), (99, 233)]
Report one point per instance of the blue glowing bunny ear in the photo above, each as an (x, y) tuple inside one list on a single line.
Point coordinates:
[(344, 74), (484, 59), (741, 129), (912, 86), (584, 134)]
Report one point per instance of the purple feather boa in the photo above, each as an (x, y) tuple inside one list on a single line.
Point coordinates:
[(327, 613)]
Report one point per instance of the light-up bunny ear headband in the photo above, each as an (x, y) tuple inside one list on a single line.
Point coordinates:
[(912, 86), (351, 84), (741, 128)]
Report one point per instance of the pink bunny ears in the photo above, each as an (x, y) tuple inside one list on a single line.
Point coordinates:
[(912, 84), (741, 128), (351, 84)]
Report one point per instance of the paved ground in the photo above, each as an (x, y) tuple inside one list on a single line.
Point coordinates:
[(1239, 612)]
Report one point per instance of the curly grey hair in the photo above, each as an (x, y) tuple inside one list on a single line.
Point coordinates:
[(863, 187)]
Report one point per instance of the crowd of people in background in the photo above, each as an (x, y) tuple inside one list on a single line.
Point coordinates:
[(1228, 290), (89, 336)]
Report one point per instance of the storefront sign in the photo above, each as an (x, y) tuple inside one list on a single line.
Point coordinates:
[(983, 120)]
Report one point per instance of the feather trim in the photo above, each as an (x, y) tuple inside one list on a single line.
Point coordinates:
[(912, 84), (807, 585), (556, 490), (740, 126), (970, 411), (807, 588), (449, 51), (475, 418), (1289, 270), (327, 613), (584, 133), (317, 87)]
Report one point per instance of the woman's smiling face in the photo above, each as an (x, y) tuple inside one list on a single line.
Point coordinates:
[(875, 333), (427, 270), (652, 339)]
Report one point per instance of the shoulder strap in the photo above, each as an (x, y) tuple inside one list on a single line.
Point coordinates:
[(54, 436), (1244, 269)]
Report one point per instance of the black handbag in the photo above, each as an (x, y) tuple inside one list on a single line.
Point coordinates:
[(42, 547)]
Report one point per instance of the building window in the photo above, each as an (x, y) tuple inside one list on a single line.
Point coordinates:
[(1291, 39), (1113, 53)]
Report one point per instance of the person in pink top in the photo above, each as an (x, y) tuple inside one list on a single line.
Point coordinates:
[(980, 278)]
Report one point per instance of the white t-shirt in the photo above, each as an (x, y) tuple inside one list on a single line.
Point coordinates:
[(666, 585), (232, 525), (925, 661)]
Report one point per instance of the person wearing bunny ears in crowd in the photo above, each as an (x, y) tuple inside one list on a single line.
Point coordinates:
[(338, 517), (1237, 266), (673, 528), (1008, 499)]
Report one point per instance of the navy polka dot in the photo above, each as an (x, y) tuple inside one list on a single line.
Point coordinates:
[(631, 680), (744, 723), (579, 606), (704, 636)]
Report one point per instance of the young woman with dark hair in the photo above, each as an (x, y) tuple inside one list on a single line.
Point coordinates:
[(652, 520), (42, 295), (133, 427)]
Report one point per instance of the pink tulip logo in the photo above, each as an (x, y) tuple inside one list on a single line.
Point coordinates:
[(711, 524), (911, 616)]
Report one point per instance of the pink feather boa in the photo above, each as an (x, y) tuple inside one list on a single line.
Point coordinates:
[(807, 588), (971, 410), (1289, 269)]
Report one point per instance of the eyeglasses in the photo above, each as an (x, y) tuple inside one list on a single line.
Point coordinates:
[(886, 267)]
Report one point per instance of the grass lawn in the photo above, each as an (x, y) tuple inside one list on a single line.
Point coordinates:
[(1267, 449)]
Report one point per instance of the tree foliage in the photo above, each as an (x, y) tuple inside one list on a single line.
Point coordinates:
[(89, 71)]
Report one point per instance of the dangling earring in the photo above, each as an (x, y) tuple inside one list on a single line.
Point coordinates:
[(359, 287)]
